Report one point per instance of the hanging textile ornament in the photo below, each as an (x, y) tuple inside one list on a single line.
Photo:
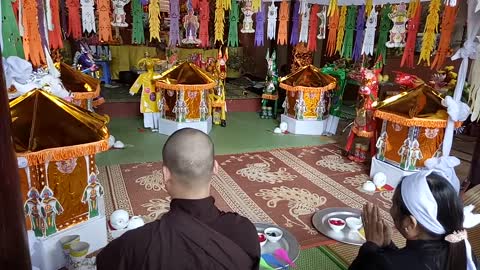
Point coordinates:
[(294, 36), (174, 37), (42, 23), (446, 29), (412, 7), (312, 35), (304, 26), (369, 39), (195, 4), (247, 11), (256, 5), (347, 46), (138, 36), (359, 37), (385, 26), (233, 29), (226, 4), (260, 24), (341, 29), (398, 31), (332, 32), (430, 32), (63, 14), (219, 21), (283, 24), (74, 20), (304, 7), (88, 16), (332, 8), (412, 30), (204, 18), (55, 35), (119, 13), (191, 25), (105, 25), (32, 43), (368, 7), (272, 21), (322, 18), (154, 19), (11, 40)]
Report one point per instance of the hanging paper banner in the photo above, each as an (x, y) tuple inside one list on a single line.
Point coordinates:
[(260, 27), (154, 19), (32, 43), (385, 26), (138, 36), (204, 18), (446, 29), (332, 32), (174, 34), (55, 35), (332, 7), (256, 5), (191, 25), (233, 29), (104, 25), (341, 29), (304, 25), (195, 4), (74, 20), (272, 21), (88, 16), (398, 32), (347, 47), (295, 27), (312, 35), (63, 14), (42, 23), (322, 25), (430, 32), (368, 7), (248, 12), (412, 29), (283, 24), (357, 49), (369, 39), (225, 4), (219, 21), (119, 15), (11, 40)]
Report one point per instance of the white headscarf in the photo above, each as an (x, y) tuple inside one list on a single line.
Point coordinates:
[(419, 200)]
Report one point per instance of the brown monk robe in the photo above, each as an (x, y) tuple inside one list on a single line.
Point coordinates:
[(194, 234)]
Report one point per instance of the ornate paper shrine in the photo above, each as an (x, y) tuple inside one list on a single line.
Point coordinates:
[(83, 88)]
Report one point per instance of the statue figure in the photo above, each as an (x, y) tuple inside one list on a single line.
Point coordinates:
[(381, 146), (248, 12), (32, 210), (191, 25), (119, 13), (93, 191), (50, 208)]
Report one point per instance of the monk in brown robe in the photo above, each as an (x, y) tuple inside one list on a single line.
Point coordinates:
[(194, 234)]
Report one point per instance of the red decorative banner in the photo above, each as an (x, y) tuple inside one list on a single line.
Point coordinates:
[(312, 35), (74, 20), (55, 36)]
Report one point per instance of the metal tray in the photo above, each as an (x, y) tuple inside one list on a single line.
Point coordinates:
[(287, 242), (320, 222)]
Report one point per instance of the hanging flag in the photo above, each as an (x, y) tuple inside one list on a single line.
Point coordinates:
[(55, 34), (332, 32), (347, 46), (204, 19), (369, 39), (42, 23), (295, 27), (104, 24), (341, 29), (219, 21), (195, 4), (430, 32), (74, 20), (385, 26), (32, 42), (312, 34), (248, 12), (11, 40), (322, 25), (174, 21), (360, 29), (260, 27), (88, 16), (398, 31), (138, 36), (446, 29), (332, 8), (413, 26), (225, 4), (272, 21), (283, 24), (304, 25), (368, 7), (256, 4), (233, 21)]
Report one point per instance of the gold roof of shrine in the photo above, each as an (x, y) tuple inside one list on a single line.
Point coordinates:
[(48, 128), (80, 84), (185, 76), (308, 79)]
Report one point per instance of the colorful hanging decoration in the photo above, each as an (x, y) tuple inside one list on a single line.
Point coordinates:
[(256, 5), (195, 4), (322, 18), (304, 25), (32, 42), (104, 25), (138, 36), (191, 25), (225, 4), (341, 29), (412, 30), (368, 7), (204, 18), (347, 47), (154, 19), (295, 27), (43, 22), (446, 29), (219, 21), (283, 23), (119, 13), (359, 37), (398, 31), (55, 34), (385, 26), (369, 39), (11, 40), (260, 24), (312, 34), (332, 8), (74, 20), (88, 16), (174, 21), (272, 21), (332, 33), (233, 29), (430, 32), (248, 12)]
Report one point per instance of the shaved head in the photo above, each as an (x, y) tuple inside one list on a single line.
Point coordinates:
[(189, 155)]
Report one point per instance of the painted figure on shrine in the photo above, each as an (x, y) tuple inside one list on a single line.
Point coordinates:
[(91, 195), (50, 208), (32, 210)]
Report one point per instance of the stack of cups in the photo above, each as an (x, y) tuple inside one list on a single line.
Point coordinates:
[(75, 251)]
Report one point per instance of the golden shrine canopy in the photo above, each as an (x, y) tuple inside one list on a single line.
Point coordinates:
[(81, 85), (308, 78), (185, 76), (48, 128)]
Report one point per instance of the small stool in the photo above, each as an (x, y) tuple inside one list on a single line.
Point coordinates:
[(270, 97), (106, 76)]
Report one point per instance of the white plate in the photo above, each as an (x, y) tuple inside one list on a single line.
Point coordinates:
[(287, 242), (320, 222)]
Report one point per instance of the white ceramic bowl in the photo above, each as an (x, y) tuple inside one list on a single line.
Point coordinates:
[(119, 219), (262, 239), (273, 234), (354, 223), (337, 224), (135, 222)]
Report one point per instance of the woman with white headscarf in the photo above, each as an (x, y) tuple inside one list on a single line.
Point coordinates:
[(428, 212)]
